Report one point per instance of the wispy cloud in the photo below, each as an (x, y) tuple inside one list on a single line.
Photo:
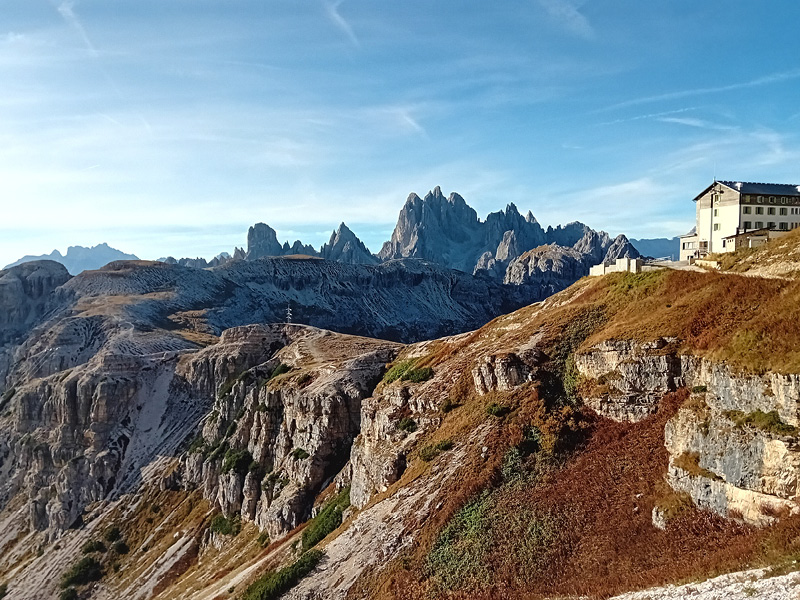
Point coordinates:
[(332, 10), (567, 15), (650, 116), (699, 123), (65, 9), (759, 81)]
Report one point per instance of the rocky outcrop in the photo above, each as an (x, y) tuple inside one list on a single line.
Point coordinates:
[(345, 247), (263, 241), (624, 380), (294, 429), (379, 454), (26, 294), (734, 446)]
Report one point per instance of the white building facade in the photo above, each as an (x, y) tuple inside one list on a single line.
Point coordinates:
[(727, 209)]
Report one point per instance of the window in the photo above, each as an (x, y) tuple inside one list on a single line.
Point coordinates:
[(746, 210), (716, 212), (783, 211), (759, 210), (771, 210), (784, 226), (747, 225), (747, 197), (771, 224), (716, 226), (772, 199), (759, 224), (760, 199)]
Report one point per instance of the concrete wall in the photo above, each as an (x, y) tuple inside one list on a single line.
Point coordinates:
[(622, 265)]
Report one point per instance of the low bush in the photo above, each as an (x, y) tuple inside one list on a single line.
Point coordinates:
[(699, 389), (3, 590), (238, 461), (769, 422), (222, 525), (328, 519), (197, 445), (263, 539), (112, 534), (121, 547), (231, 429), (428, 453), (406, 371), (93, 546), (84, 571), (407, 424), (280, 370), (497, 410), (68, 594), (299, 454), (276, 583)]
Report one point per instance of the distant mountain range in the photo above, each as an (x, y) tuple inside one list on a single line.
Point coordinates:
[(439, 229), (658, 247), (80, 258)]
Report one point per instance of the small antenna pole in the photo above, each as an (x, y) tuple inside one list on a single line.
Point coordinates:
[(288, 313)]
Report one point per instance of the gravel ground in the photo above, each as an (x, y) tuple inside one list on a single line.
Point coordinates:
[(735, 586)]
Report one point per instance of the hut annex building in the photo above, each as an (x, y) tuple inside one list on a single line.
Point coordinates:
[(736, 214)]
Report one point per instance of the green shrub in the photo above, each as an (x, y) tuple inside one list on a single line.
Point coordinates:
[(280, 370), (198, 444), (231, 429), (448, 405), (84, 571), (68, 594), (418, 375), (263, 539), (218, 450), (328, 519), (428, 453), (3, 590), (276, 583), (769, 422), (121, 547), (237, 461), (112, 534), (699, 389), (299, 454), (224, 526), (405, 371), (497, 410), (457, 558), (226, 387), (407, 424), (93, 546)]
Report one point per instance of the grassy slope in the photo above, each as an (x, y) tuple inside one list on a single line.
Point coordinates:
[(574, 516), (778, 257)]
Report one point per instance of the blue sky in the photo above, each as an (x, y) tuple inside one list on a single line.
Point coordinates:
[(170, 126)]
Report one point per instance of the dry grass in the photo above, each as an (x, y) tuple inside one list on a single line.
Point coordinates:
[(583, 528)]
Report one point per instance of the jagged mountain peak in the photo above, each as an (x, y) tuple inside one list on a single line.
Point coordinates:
[(344, 246)]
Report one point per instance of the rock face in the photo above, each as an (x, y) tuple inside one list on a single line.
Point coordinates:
[(345, 247), (505, 247), (80, 258), (295, 429), (26, 294), (263, 241), (733, 446)]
